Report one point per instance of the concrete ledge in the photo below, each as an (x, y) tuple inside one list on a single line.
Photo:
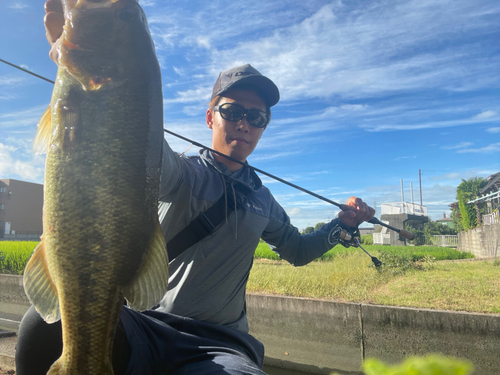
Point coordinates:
[(7, 362), (319, 337), (307, 335), (7, 352)]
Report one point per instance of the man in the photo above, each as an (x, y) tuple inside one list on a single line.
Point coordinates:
[(200, 326)]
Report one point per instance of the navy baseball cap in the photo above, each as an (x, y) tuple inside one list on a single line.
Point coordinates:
[(246, 76)]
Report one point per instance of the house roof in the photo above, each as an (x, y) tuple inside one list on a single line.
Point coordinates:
[(445, 219), (493, 183)]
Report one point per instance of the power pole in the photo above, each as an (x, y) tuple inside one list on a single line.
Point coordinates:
[(420, 182)]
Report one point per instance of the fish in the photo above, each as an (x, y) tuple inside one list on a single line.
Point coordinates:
[(103, 136)]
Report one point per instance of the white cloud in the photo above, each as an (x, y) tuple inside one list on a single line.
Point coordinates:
[(12, 167), (203, 42), (493, 130), (10, 81), (147, 3), (460, 145), (270, 156), (485, 115), (22, 118), (18, 6), (405, 157), (490, 149)]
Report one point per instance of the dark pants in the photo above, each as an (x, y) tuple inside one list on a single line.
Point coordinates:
[(149, 343)]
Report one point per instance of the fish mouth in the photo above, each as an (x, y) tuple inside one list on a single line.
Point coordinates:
[(90, 82), (71, 46)]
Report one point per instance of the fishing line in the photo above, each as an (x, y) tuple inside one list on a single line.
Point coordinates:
[(343, 207)]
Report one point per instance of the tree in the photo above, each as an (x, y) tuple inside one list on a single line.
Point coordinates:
[(456, 217), (433, 228), (318, 225), (468, 190), (308, 230)]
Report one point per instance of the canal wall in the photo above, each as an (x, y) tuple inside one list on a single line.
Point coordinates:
[(320, 337)]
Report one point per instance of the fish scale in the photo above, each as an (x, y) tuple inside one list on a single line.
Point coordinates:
[(103, 135)]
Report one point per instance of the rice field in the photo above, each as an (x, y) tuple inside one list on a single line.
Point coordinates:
[(14, 255), (413, 253)]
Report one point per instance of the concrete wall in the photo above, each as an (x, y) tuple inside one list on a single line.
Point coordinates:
[(13, 301), (320, 337), (483, 241), (398, 221)]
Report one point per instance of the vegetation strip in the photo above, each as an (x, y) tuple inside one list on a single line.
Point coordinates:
[(410, 276)]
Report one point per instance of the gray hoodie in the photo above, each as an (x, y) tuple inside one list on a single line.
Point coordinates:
[(207, 281)]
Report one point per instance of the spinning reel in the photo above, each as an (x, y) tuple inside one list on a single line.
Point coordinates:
[(349, 238)]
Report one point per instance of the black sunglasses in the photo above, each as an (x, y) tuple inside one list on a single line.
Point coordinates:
[(235, 112)]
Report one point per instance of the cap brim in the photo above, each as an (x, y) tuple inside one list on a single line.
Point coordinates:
[(264, 87)]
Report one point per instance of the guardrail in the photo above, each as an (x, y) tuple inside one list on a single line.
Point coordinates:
[(491, 219), (403, 208)]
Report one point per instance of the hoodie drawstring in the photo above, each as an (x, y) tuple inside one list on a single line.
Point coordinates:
[(235, 210)]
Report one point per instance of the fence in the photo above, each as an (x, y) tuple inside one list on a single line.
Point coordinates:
[(381, 238), (21, 236), (491, 219), (448, 241), (441, 240)]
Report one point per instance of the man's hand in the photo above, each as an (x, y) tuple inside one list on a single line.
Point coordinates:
[(361, 212), (54, 22)]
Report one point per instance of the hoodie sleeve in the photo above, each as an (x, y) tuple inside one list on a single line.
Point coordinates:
[(172, 172), (290, 245)]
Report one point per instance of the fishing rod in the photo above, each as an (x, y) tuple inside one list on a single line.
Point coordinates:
[(343, 207), (27, 71)]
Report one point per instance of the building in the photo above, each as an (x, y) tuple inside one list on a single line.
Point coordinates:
[(446, 221), (366, 230), (397, 215), (21, 205)]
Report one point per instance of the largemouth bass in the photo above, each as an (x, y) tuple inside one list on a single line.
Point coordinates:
[(103, 135)]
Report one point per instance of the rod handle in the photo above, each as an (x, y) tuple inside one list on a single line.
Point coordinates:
[(406, 234)]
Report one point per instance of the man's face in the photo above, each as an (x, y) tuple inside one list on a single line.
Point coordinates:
[(236, 139)]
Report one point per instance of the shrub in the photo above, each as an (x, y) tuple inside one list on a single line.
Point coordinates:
[(367, 239), (431, 364)]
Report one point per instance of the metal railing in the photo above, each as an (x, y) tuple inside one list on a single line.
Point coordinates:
[(403, 208), (420, 240), (446, 241), (491, 219), (381, 238)]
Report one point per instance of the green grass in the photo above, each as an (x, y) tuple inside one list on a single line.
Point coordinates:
[(457, 286), (14, 255), (414, 253), (406, 279)]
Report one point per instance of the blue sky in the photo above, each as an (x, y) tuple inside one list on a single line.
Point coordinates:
[(371, 91)]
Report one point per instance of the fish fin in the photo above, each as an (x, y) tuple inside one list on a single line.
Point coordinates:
[(149, 284), (39, 286), (42, 137)]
